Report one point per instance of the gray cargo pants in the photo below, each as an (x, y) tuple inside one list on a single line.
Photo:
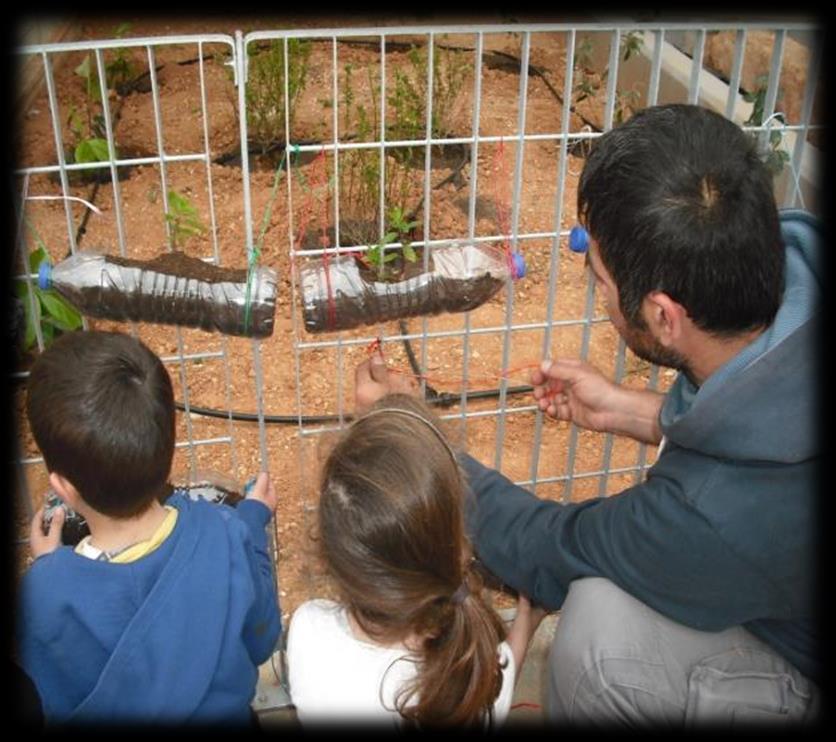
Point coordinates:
[(614, 661)]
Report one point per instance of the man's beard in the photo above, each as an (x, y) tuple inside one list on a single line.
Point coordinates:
[(645, 346)]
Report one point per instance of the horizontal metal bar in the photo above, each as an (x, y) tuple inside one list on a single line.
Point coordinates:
[(315, 252), (309, 432), (583, 475), (83, 46), (160, 159), (533, 28), (203, 442), (451, 333), (434, 141), (192, 356)]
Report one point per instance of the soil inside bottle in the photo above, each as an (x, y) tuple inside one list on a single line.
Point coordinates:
[(180, 264)]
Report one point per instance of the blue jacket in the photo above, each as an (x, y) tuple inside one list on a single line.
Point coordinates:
[(176, 636), (723, 530)]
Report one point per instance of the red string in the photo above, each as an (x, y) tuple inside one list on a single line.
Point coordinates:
[(376, 346), (525, 705), (502, 198)]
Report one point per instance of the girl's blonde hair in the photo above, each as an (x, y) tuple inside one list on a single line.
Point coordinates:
[(391, 532)]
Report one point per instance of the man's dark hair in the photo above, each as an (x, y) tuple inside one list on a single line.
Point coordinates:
[(679, 201), (101, 408)]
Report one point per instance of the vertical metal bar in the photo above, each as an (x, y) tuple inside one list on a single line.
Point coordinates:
[(471, 216), (515, 217), (608, 440), (736, 71), (696, 68), (656, 67), (590, 284), (612, 92), (335, 125), (248, 233), (382, 209), (612, 79), (427, 196), (334, 108), (554, 261), (797, 159), (158, 124), (111, 149), (59, 151), (217, 255), (774, 76)]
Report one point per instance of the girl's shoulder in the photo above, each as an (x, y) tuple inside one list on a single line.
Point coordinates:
[(319, 614)]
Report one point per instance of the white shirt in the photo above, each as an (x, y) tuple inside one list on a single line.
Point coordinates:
[(336, 677)]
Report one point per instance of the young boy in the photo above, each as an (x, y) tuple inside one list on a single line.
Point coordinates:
[(162, 614)]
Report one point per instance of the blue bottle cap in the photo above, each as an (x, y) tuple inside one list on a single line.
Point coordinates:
[(519, 265), (45, 275), (578, 239)]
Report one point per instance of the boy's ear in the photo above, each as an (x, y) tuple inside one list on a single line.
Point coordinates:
[(665, 317), (64, 489)]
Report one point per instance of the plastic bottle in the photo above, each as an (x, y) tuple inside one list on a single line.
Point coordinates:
[(462, 276), (171, 289)]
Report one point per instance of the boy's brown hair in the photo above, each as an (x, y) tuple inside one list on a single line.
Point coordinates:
[(101, 409)]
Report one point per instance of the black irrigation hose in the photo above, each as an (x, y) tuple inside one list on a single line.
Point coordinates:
[(442, 400)]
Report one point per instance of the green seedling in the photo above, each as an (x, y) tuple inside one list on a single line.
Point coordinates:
[(182, 219), (378, 256)]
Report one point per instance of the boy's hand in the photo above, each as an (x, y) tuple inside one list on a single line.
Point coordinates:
[(373, 381), (41, 543), (264, 491)]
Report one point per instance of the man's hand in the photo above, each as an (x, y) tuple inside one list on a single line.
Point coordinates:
[(373, 381), (264, 491), (577, 391), (41, 543)]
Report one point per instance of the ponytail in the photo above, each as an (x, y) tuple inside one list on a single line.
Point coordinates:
[(459, 672)]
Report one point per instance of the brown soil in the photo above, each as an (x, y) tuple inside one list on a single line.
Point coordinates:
[(179, 264), (322, 381)]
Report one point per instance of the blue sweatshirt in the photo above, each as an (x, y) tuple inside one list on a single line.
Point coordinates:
[(723, 530), (176, 636)]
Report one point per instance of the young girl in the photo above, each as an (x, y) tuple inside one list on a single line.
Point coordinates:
[(411, 640)]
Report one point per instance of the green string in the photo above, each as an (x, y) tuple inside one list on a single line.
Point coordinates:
[(255, 254)]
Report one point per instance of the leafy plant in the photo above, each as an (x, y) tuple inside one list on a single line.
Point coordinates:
[(44, 307), (118, 70), (360, 169), (590, 82), (775, 157), (265, 92), (400, 230), (182, 219)]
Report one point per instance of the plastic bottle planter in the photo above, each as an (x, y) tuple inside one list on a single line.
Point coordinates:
[(342, 294), (173, 289)]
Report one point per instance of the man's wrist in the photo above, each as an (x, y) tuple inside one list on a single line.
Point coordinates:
[(637, 415)]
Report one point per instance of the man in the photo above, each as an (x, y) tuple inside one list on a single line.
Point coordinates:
[(688, 597)]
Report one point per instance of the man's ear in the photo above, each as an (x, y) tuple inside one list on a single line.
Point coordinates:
[(65, 490), (665, 317)]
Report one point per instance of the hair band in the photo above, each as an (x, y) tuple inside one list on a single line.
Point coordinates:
[(416, 416), (458, 597)]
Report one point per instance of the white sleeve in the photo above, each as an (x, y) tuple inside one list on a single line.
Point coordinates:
[(502, 705)]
